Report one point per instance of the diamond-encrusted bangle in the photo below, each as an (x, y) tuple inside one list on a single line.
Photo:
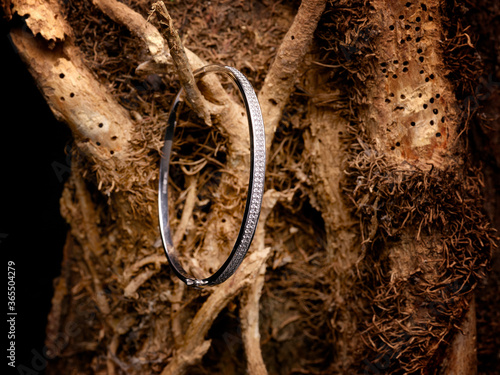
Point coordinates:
[(255, 185)]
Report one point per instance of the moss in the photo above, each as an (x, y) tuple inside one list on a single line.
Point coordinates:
[(425, 239)]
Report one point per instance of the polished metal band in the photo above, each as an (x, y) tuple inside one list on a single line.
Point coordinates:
[(255, 188)]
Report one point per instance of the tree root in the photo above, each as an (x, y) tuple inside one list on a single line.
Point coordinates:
[(281, 76), (249, 315), (462, 353), (101, 127), (187, 212), (194, 345), (122, 14)]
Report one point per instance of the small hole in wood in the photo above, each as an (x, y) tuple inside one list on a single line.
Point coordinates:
[(417, 28), (432, 122), (424, 7), (407, 27), (61, 75), (421, 58), (405, 70), (431, 18), (420, 95), (401, 41), (383, 64), (432, 100), (101, 125), (421, 72), (387, 100), (425, 106), (435, 111), (418, 39), (62, 98), (419, 50), (393, 148), (443, 119), (71, 95), (401, 17), (98, 143), (391, 95), (396, 62), (292, 37), (114, 138), (418, 19), (408, 38), (427, 79), (437, 96), (413, 123), (391, 27), (398, 144), (408, 4), (432, 76), (384, 70), (405, 63), (111, 152), (394, 76), (438, 135), (402, 96)]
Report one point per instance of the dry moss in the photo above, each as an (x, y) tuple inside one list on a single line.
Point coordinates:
[(424, 234), (443, 210)]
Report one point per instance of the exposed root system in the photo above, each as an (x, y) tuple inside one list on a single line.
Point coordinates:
[(373, 235)]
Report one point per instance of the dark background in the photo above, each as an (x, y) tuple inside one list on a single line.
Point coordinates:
[(32, 231)]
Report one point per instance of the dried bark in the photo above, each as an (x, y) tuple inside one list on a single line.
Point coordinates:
[(372, 237)]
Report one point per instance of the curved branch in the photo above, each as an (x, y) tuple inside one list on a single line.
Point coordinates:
[(280, 79), (122, 14)]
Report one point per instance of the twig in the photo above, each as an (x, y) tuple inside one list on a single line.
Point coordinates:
[(175, 317), (187, 212), (228, 114), (113, 347), (153, 258), (130, 290), (181, 62)]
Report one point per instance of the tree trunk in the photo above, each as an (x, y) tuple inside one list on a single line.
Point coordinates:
[(372, 237)]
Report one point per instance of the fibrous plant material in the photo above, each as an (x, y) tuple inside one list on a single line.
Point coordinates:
[(424, 235), (372, 236), (282, 73)]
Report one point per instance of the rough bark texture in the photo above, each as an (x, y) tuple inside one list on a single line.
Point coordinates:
[(372, 237)]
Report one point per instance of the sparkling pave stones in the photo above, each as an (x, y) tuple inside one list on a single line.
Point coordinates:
[(255, 189)]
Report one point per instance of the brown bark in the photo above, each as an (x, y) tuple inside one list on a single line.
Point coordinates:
[(371, 239)]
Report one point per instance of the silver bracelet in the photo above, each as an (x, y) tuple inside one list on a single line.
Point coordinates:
[(255, 185)]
